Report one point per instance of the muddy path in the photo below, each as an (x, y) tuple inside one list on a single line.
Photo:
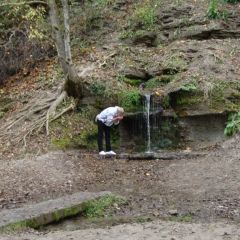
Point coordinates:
[(206, 188)]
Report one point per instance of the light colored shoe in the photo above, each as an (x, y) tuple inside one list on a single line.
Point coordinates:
[(110, 153), (102, 153)]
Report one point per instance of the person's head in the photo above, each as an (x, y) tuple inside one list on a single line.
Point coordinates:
[(120, 112)]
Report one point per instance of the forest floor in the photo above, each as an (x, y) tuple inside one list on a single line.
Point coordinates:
[(200, 195)]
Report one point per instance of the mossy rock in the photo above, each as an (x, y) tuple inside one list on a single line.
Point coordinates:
[(74, 131)]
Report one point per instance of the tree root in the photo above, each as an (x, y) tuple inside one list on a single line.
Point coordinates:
[(31, 119)]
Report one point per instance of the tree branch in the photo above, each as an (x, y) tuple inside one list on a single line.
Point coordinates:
[(23, 3)]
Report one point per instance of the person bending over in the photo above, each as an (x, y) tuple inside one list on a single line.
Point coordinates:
[(105, 119)]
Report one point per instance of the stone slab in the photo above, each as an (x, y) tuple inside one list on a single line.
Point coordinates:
[(161, 155), (42, 213)]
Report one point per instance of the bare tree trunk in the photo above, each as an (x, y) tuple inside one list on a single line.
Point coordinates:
[(54, 18), (73, 84), (67, 32), (71, 70)]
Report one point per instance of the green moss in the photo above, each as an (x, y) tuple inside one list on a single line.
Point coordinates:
[(189, 87), (235, 84), (130, 99), (32, 223), (75, 130), (100, 207), (69, 212), (220, 87), (165, 101), (225, 97), (154, 83), (14, 226), (188, 98), (56, 216), (61, 142), (167, 78), (132, 82), (87, 137)]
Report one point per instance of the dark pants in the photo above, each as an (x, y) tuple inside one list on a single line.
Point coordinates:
[(102, 128)]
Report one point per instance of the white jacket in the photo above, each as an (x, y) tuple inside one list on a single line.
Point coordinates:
[(107, 115)]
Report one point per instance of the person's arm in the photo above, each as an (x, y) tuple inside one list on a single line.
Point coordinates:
[(117, 119)]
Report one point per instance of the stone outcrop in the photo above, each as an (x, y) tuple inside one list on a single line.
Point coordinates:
[(195, 62)]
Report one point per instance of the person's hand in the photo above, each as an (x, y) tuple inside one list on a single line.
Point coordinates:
[(120, 117), (117, 119)]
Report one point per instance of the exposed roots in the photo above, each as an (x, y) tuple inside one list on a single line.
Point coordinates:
[(52, 109), (31, 119)]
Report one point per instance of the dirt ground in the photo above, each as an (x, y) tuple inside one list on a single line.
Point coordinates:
[(207, 188)]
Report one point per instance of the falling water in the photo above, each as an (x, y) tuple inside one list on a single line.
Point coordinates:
[(147, 115)]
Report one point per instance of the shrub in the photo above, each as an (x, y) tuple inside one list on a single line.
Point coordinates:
[(145, 14), (130, 99), (153, 83), (233, 124), (212, 11)]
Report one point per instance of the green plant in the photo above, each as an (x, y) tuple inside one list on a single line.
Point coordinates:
[(100, 207), (182, 218), (130, 99), (133, 82), (233, 124), (153, 83), (212, 11), (96, 88), (139, 32), (177, 2), (165, 101), (121, 78), (104, 3), (126, 34), (167, 78), (221, 86), (177, 31), (225, 15), (61, 142), (145, 14), (189, 86)]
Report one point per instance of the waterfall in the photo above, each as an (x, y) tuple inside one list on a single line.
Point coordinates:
[(144, 130), (147, 105)]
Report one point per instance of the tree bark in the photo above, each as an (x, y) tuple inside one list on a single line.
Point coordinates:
[(73, 84), (56, 28)]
